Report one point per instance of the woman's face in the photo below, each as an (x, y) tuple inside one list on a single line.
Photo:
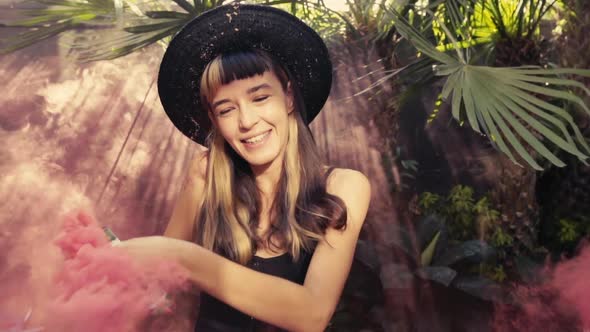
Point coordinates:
[(252, 115)]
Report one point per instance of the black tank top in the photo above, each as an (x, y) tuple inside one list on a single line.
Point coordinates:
[(216, 316)]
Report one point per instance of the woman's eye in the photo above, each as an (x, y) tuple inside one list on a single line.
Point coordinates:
[(225, 111), (261, 98)]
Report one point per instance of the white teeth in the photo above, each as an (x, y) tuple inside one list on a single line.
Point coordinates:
[(257, 139)]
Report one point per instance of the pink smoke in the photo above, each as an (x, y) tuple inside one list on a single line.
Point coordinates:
[(572, 281), (561, 303), (98, 288)]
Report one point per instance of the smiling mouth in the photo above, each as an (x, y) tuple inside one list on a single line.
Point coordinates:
[(256, 139)]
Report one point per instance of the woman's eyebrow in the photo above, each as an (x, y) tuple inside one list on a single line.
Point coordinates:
[(258, 87), (249, 91), (219, 102)]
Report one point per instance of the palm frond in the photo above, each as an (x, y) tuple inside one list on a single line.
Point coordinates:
[(160, 14), (187, 6), (508, 105), (63, 16), (417, 39), (151, 27), (32, 37), (132, 39), (323, 20)]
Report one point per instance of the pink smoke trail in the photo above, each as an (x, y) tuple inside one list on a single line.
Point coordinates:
[(98, 288), (561, 303)]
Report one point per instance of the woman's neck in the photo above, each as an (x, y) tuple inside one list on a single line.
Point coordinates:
[(267, 177), (267, 185)]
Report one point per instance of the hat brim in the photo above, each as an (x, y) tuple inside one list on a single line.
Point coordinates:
[(233, 28)]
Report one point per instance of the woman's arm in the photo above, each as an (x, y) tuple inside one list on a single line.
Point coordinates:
[(187, 204), (280, 302)]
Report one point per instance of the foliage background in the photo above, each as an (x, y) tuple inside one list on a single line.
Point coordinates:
[(452, 215)]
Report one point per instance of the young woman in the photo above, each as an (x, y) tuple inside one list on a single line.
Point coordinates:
[(266, 230)]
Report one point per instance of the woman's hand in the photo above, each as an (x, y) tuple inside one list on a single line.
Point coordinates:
[(165, 256)]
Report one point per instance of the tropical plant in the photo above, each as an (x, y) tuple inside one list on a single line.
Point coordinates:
[(568, 231), (563, 192), (471, 219), (127, 26), (434, 257), (509, 30), (563, 232), (363, 18), (476, 219), (507, 99), (481, 53), (61, 16)]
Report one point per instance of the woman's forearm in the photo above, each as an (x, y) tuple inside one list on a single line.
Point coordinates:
[(268, 298)]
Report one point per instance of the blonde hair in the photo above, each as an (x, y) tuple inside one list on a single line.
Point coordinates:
[(302, 209)]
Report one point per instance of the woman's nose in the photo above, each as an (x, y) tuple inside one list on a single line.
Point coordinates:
[(248, 117)]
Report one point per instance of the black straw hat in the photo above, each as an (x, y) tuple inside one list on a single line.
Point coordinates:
[(232, 28)]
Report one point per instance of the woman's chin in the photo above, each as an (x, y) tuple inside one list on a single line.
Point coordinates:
[(260, 158)]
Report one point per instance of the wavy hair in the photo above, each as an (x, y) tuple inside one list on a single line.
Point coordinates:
[(302, 209)]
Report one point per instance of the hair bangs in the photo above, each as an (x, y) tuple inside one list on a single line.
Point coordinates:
[(237, 66), (227, 68)]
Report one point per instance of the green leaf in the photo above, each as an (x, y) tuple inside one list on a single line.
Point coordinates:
[(504, 111), (495, 134), (568, 231), (500, 238), (141, 29), (428, 202), (186, 6), (416, 38), (428, 253), (524, 99), (450, 84), (473, 251), (457, 96), (166, 14), (65, 15), (566, 144), (32, 37), (65, 3), (503, 96), (108, 50), (548, 92), (470, 95), (496, 109)]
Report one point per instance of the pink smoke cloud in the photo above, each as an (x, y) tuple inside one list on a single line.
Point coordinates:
[(561, 303), (572, 281), (99, 288)]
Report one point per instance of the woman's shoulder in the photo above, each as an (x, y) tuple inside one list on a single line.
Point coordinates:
[(346, 181), (341, 176), (354, 189)]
